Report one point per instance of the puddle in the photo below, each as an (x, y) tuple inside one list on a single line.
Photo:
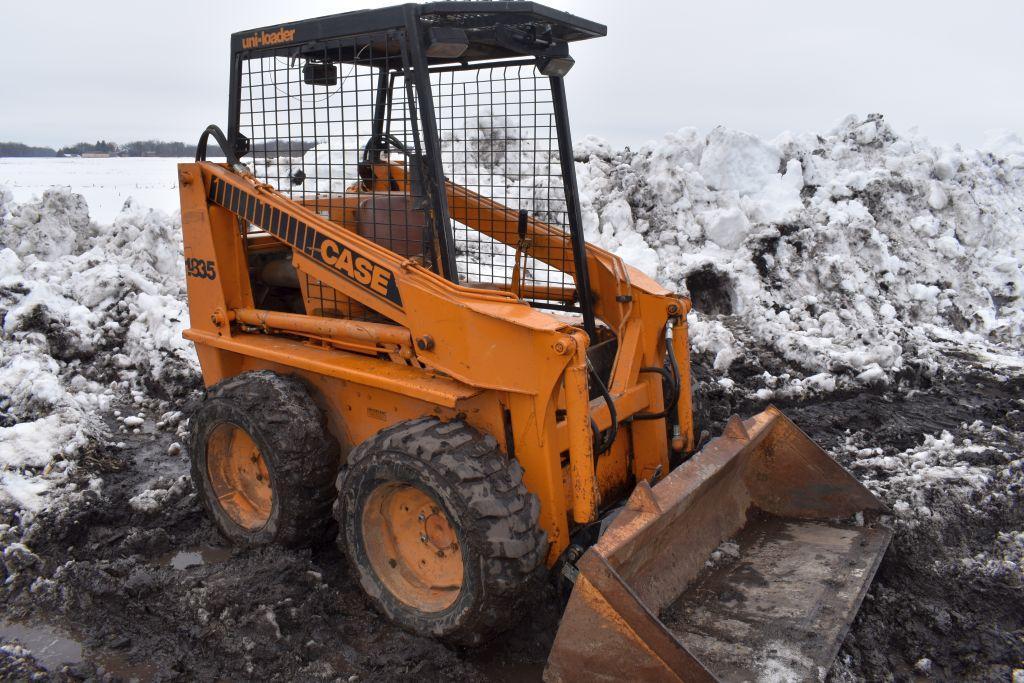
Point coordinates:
[(53, 649), (194, 557)]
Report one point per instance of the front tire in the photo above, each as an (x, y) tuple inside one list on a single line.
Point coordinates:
[(440, 530), (263, 462)]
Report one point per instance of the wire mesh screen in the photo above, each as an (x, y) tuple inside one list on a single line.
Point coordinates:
[(308, 118), (498, 139), (325, 301), (315, 119), (337, 128)]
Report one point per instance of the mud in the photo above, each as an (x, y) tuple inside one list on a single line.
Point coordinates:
[(158, 595), (928, 616)]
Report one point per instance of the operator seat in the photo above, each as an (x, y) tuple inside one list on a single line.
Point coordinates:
[(391, 220)]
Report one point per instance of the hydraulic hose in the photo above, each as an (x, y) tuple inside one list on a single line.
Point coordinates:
[(601, 445), (381, 142), (674, 380), (221, 139)]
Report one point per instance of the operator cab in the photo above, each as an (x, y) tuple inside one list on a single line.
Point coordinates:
[(438, 131)]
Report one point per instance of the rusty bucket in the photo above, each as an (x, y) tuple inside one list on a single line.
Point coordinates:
[(747, 562)]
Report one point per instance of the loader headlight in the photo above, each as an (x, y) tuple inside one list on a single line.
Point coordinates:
[(555, 66), (320, 73)]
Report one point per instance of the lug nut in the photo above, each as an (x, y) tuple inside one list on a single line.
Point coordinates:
[(423, 537)]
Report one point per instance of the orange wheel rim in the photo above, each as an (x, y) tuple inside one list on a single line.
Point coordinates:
[(412, 547), (239, 476)]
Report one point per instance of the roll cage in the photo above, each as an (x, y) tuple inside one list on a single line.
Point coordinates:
[(459, 107)]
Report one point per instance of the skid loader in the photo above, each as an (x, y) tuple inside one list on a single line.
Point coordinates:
[(407, 343)]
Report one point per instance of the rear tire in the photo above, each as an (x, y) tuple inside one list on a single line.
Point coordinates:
[(440, 530), (263, 462)]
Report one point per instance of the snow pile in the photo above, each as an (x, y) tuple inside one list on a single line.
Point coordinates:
[(947, 478), (89, 315), (910, 476), (846, 256)]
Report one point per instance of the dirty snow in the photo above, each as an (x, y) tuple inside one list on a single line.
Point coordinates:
[(973, 473), (91, 315), (847, 255), (152, 499)]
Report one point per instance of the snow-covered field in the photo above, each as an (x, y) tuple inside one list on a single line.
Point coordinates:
[(856, 262), (106, 184)]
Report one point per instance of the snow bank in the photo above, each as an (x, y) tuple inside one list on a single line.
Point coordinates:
[(822, 261), (847, 255), (88, 315)]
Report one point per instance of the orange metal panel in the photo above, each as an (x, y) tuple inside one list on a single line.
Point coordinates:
[(382, 374), (533, 424)]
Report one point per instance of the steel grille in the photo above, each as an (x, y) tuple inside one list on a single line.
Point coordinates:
[(496, 134), (498, 139), (328, 302), (308, 140), (320, 130)]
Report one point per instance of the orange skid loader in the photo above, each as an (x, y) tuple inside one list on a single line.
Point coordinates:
[(402, 329)]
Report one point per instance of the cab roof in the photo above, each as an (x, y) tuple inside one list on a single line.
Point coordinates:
[(487, 25)]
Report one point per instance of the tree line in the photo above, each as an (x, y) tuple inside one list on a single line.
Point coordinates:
[(138, 148)]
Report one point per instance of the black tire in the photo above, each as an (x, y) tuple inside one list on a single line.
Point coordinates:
[(493, 515), (278, 414)]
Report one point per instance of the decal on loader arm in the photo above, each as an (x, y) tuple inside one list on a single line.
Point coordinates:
[(372, 276)]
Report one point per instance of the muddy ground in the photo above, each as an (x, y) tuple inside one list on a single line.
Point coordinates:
[(103, 591)]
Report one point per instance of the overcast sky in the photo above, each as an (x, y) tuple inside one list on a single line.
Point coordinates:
[(124, 70)]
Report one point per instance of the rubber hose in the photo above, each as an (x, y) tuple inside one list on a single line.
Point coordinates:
[(675, 381)]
